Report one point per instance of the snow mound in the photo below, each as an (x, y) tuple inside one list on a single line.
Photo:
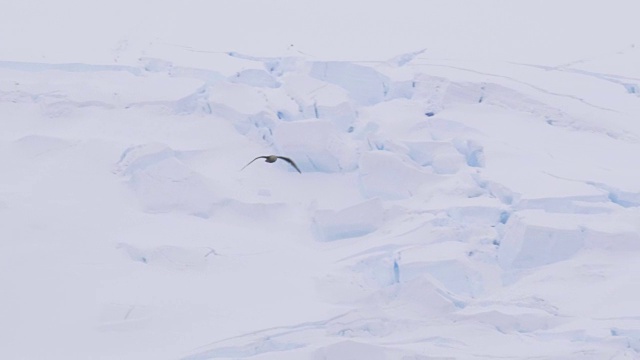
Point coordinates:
[(316, 145), (441, 156), (255, 78), (534, 238), (456, 276), (240, 97), (365, 85), (163, 183), (525, 245), (354, 221), (384, 174), (304, 97)]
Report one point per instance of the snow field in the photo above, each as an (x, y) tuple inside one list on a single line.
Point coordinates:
[(446, 211)]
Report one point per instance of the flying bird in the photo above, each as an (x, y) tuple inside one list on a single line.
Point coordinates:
[(272, 159)]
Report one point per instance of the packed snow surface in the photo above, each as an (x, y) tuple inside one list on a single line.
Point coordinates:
[(449, 207)]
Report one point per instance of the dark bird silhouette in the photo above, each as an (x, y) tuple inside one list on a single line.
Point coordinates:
[(272, 159)]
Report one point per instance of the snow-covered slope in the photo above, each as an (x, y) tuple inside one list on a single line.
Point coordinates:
[(447, 208)]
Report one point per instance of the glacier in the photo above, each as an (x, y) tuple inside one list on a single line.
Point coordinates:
[(450, 206)]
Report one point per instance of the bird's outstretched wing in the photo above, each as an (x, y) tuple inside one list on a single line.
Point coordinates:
[(290, 162), (259, 157)]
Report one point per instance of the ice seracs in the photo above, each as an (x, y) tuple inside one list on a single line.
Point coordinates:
[(272, 159)]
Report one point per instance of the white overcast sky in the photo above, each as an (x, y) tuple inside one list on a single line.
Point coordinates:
[(90, 31)]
